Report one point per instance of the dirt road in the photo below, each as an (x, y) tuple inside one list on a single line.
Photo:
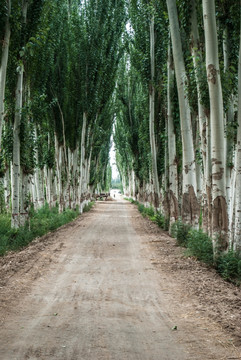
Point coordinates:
[(95, 290)]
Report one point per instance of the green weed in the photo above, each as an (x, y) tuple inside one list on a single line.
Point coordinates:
[(200, 245), (179, 231), (229, 266), (161, 221), (88, 207), (40, 223)]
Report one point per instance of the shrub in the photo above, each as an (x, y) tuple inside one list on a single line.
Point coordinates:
[(229, 266), (88, 207), (200, 245), (141, 208), (149, 211), (161, 221), (41, 222), (180, 232), (5, 224), (156, 217), (133, 201)]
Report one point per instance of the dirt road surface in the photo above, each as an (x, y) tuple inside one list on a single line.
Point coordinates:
[(112, 286)]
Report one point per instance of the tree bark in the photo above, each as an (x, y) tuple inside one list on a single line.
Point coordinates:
[(202, 117), (190, 206), (237, 218), (218, 149), (172, 155), (3, 67), (156, 190), (82, 157), (16, 150)]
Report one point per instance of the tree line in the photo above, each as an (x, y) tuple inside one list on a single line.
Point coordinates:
[(165, 74), (178, 113), (58, 64)]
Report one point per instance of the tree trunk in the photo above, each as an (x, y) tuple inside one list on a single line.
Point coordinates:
[(16, 166), (7, 187), (202, 114), (3, 67), (218, 149), (190, 206), (237, 218), (172, 155), (24, 200), (82, 156), (156, 190), (229, 156), (16, 151)]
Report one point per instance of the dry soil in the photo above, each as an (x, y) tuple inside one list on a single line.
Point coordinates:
[(113, 286)]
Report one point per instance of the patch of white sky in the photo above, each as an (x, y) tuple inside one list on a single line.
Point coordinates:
[(115, 172), (114, 169)]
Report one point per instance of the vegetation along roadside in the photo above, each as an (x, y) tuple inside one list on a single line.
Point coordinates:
[(40, 222), (197, 244)]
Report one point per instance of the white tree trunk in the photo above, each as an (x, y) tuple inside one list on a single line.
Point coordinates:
[(16, 150), (82, 156), (190, 206), (16, 140), (229, 155), (172, 155), (237, 218), (156, 190), (24, 203), (7, 187), (60, 181), (3, 67), (71, 178), (197, 59), (218, 148)]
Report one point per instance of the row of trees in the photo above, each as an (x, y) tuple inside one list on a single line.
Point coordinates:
[(178, 122), (166, 72), (58, 64)]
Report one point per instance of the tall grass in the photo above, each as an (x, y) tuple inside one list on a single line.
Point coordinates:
[(40, 223)]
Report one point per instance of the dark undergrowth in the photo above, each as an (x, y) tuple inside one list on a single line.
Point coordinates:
[(197, 244), (40, 223)]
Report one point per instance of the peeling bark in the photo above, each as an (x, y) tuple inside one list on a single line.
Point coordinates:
[(189, 168), (172, 163), (218, 148), (156, 189), (16, 151), (237, 217), (190, 207), (3, 67)]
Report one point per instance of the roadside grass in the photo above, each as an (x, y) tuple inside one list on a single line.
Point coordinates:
[(197, 244), (229, 267), (88, 207), (40, 223), (155, 216)]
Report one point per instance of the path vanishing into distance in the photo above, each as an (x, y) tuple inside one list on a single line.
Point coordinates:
[(99, 289)]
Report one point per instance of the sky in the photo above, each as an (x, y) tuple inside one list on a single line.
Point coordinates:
[(115, 172)]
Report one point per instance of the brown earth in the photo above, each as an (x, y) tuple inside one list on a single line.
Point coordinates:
[(113, 286)]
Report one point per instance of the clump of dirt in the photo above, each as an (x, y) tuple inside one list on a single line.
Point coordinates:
[(213, 296)]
